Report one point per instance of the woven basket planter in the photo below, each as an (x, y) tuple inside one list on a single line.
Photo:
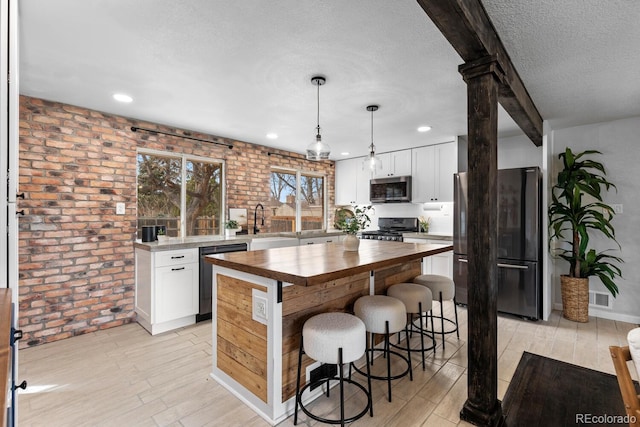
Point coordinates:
[(575, 298)]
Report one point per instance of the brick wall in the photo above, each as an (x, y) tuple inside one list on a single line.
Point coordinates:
[(76, 255)]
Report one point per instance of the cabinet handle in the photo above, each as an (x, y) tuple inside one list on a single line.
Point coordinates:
[(463, 260), (309, 243), (177, 269), (177, 257)]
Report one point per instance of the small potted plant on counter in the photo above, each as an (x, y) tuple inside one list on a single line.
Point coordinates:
[(577, 209), (231, 228), (161, 234), (352, 221), (424, 224)]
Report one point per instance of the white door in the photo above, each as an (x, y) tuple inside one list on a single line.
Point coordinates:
[(9, 167)]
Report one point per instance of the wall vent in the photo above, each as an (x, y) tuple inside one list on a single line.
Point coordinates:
[(600, 300)]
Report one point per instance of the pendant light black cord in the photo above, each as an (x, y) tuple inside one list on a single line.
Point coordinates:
[(136, 129), (372, 108), (318, 109)]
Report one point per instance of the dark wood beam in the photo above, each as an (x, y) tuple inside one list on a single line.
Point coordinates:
[(466, 25), (483, 78)]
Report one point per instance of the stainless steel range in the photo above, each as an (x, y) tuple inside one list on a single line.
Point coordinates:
[(391, 229)]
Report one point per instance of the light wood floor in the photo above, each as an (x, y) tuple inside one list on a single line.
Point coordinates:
[(125, 377)]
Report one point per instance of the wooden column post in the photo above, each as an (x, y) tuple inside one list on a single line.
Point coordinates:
[(483, 78)]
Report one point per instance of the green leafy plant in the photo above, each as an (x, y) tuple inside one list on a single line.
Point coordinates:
[(161, 232), (352, 221), (577, 208), (232, 224), (424, 223)]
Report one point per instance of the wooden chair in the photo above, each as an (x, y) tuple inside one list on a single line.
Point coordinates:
[(620, 356)]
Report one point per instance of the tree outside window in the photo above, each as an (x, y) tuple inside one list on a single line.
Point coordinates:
[(291, 213), (162, 200)]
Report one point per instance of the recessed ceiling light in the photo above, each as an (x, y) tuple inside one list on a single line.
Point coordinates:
[(272, 136), (121, 97), (344, 153), (424, 128)]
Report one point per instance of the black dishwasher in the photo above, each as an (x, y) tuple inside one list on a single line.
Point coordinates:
[(204, 312)]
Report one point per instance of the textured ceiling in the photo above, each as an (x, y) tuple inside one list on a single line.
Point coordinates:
[(242, 69)]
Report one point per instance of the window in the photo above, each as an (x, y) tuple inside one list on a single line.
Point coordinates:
[(291, 213), (191, 209)]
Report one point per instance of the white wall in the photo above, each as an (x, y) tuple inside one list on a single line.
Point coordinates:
[(618, 142), (518, 152)]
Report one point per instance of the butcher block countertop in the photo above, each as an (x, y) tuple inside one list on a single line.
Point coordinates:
[(314, 264)]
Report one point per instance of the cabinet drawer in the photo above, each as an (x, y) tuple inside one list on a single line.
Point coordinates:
[(183, 256), (314, 240)]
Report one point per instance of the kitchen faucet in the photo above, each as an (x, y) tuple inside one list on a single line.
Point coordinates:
[(255, 217)]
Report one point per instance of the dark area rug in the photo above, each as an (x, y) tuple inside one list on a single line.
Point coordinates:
[(547, 392)]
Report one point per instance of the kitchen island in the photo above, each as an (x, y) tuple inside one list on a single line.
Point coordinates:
[(261, 299)]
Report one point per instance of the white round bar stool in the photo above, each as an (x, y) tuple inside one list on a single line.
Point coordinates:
[(385, 315), (333, 338), (443, 289), (417, 299)]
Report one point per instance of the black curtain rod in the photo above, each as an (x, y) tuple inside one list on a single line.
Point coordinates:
[(135, 129), (270, 153)]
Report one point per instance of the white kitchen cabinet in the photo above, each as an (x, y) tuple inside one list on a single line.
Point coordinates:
[(314, 240), (395, 163), (441, 264), (433, 169), (352, 182), (167, 289)]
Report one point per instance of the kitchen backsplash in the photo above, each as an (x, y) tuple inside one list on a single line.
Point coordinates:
[(441, 220)]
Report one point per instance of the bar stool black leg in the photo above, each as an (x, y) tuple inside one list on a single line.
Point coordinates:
[(295, 415), (433, 335), (370, 397), (406, 331), (455, 310), (421, 333), (441, 319), (386, 352), (340, 370)]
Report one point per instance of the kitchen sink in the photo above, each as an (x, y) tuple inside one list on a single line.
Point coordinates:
[(272, 242)]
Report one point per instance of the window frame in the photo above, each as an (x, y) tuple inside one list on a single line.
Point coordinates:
[(183, 188), (325, 200)]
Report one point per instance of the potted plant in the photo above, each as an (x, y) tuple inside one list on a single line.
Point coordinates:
[(231, 227), (351, 222), (577, 209), (161, 234), (424, 224)]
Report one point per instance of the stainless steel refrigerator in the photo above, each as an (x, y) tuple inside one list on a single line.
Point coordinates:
[(519, 241)]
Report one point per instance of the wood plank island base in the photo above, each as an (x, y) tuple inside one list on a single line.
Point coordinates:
[(262, 298)]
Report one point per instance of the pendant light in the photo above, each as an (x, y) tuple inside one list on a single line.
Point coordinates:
[(372, 162), (318, 150)]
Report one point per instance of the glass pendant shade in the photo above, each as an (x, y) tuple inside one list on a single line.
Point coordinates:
[(318, 150), (372, 162)]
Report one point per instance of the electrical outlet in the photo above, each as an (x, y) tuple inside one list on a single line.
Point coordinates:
[(260, 307), (120, 208), (617, 208)]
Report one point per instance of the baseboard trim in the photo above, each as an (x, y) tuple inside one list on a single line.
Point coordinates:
[(604, 314)]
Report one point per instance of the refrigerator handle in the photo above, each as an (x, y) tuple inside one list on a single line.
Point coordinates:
[(512, 266)]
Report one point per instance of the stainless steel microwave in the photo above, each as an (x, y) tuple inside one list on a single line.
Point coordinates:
[(394, 189)]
